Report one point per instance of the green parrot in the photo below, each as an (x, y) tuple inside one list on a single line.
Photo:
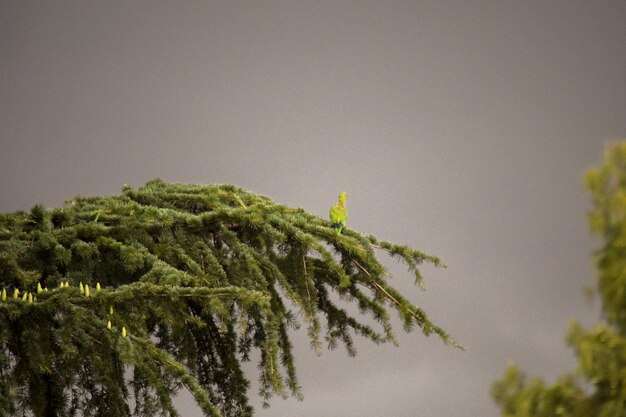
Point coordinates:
[(338, 213)]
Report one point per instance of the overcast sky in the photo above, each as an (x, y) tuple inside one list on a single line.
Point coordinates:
[(460, 128)]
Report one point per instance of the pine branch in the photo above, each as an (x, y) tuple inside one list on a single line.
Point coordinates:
[(180, 282)]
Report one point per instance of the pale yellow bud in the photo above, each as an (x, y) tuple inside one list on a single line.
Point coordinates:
[(30, 297), (16, 293), (81, 287), (111, 310), (25, 296), (123, 331), (109, 325), (87, 293), (4, 294), (39, 289)]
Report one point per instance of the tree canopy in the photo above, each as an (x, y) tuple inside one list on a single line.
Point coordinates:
[(598, 386), (111, 304)]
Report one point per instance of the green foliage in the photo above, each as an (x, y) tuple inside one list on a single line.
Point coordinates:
[(111, 304), (522, 397), (598, 387), (608, 220)]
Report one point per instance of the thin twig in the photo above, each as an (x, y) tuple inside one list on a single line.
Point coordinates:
[(377, 285), (306, 279), (382, 289)]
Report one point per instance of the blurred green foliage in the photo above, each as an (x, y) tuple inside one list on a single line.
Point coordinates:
[(598, 386)]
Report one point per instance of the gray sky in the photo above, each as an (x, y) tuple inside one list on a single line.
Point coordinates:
[(460, 128)]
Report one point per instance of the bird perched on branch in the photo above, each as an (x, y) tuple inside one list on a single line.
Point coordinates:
[(338, 213)]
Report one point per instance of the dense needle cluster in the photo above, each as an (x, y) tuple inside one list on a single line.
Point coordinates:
[(110, 305)]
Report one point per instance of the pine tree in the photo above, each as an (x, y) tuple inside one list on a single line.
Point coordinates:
[(598, 386), (110, 305)]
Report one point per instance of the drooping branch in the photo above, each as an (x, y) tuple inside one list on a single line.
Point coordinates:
[(181, 282)]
